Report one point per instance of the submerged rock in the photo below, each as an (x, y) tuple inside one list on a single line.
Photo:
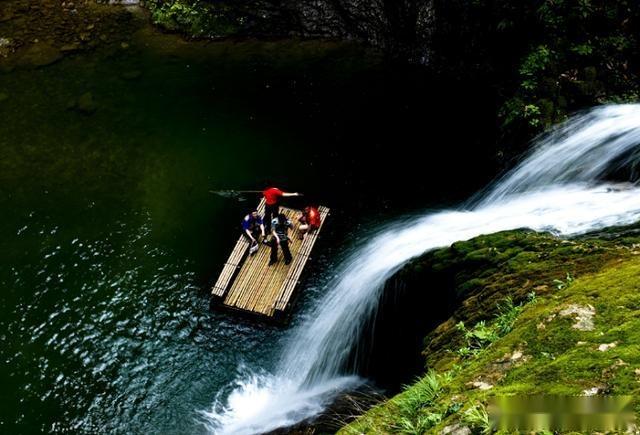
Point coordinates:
[(40, 54), (86, 104), (70, 48), (6, 15), (132, 75)]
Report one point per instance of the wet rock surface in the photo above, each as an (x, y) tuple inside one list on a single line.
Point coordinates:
[(344, 409), (40, 54), (86, 103), (131, 75)]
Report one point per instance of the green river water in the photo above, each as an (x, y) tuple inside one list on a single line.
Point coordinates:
[(109, 237)]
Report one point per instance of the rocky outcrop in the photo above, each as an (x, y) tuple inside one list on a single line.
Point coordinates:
[(402, 27), (534, 314)]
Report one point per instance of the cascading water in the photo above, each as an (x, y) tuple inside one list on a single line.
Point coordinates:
[(557, 188)]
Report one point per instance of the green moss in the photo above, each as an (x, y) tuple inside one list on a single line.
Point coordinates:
[(542, 352)]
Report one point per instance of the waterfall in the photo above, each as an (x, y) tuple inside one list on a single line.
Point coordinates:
[(559, 187)]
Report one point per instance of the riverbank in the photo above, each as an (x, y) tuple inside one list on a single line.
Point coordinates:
[(531, 314), (36, 34)]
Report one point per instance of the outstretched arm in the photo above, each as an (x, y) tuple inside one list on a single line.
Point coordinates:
[(250, 235), (291, 194)]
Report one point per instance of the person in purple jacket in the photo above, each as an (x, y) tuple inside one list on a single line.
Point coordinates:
[(253, 229)]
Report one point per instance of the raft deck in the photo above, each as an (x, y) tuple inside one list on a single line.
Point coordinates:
[(248, 283)]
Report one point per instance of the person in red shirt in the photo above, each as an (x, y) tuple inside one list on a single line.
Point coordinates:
[(309, 220), (272, 197)]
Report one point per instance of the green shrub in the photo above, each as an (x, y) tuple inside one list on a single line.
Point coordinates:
[(195, 17), (478, 419)]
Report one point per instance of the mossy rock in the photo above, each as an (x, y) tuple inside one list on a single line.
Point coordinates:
[(550, 349)]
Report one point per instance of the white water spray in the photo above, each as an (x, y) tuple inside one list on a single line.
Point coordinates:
[(558, 188)]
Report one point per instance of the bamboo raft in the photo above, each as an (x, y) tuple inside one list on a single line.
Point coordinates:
[(249, 284)]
